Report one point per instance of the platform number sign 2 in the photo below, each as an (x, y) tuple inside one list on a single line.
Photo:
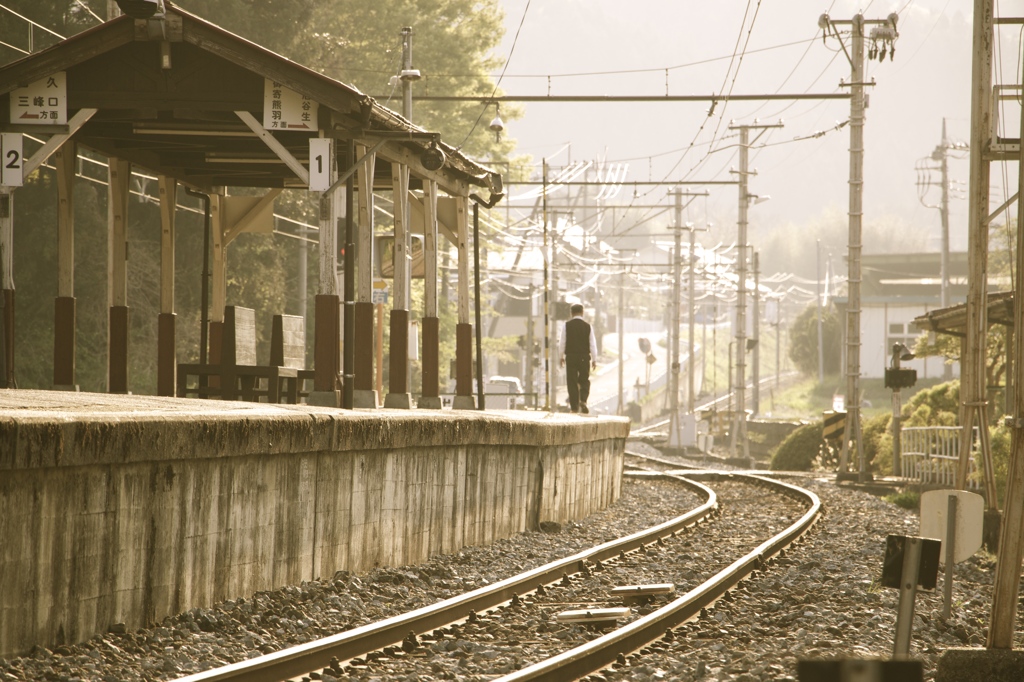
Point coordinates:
[(320, 164), (12, 160)]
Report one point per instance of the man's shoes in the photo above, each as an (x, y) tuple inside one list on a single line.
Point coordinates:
[(584, 409)]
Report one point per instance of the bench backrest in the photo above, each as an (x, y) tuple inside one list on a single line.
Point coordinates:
[(288, 341), (239, 344)]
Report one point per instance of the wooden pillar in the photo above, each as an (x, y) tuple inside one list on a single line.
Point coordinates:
[(973, 410), (64, 337), (464, 399), (398, 380), (117, 276), (430, 397), (364, 394), (218, 280), (166, 360), (327, 320), (1006, 586), (7, 284)]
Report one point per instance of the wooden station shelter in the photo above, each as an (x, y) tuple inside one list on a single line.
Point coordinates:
[(203, 108)]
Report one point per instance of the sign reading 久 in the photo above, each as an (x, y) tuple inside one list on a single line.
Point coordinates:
[(44, 102)]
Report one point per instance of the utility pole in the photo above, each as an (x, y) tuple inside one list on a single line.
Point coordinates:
[(547, 295), (528, 371), (739, 426), (755, 390), (675, 439), (940, 155), (884, 32), (620, 323), (821, 348)]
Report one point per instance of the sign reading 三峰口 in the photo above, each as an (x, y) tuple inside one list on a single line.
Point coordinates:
[(285, 109), (44, 102), (11, 160)]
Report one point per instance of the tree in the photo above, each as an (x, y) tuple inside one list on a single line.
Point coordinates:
[(359, 43), (803, 340)]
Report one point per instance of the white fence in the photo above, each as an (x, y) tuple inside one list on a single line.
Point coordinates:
[(929, 454)]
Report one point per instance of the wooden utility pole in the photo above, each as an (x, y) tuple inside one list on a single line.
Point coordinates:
[(1006, 586), (974, 406)]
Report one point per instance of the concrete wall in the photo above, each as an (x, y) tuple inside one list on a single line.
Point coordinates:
[(114, 518)]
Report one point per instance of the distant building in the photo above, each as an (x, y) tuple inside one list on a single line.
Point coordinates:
[(895, 289)]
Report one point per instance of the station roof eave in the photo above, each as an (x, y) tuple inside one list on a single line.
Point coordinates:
[(181, 121), (953, 320)]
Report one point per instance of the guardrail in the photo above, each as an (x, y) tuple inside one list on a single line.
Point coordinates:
[(930, 454)]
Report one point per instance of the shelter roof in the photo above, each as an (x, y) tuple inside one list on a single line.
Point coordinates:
[(167, 91), (953, 320)]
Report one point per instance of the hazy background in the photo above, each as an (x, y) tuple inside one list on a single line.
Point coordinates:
[(695, 40)]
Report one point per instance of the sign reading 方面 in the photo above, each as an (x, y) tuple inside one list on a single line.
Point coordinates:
[(44, 102), (285, 109)]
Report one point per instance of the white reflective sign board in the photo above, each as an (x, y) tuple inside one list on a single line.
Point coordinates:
[(970, 518), (11, 160), (44, 102)]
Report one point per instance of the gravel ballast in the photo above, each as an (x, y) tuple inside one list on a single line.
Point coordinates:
[(822, 600)]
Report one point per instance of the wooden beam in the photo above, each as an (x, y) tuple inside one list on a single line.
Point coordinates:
[(430, 250), (65, 164), (219, 280), (364, 230), (120, 173), (268, 139), (168, 188), (51, 145), (462, 220), (330, 209), (245, 221)]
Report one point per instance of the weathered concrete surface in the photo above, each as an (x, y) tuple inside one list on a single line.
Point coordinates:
[(980, 665), (125, 509)]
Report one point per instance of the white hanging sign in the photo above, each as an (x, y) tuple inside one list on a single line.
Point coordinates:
[(11, 160), (319, 164), (285, 109), (44, 102)]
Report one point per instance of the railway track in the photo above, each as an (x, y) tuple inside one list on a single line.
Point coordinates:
[(523, 627)]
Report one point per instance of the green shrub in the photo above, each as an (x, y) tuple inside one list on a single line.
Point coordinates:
[(906, 499), (800, 449), (876, 435)]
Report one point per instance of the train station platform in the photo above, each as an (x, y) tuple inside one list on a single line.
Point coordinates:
[(123, 509)]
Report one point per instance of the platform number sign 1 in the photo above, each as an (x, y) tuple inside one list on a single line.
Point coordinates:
[(319, 164), (12, 159)]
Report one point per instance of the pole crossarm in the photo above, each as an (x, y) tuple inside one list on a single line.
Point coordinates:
[(624, 98)]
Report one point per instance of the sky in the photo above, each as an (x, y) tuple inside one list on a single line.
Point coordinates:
[(685, 47)]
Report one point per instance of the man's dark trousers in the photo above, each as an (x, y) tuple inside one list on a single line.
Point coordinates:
[(577, 376)]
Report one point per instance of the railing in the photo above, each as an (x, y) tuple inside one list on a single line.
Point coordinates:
[(929, 454)]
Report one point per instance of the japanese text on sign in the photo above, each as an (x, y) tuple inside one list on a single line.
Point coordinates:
[(44, 102), (285, 109)]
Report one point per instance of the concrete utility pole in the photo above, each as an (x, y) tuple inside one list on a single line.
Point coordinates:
[(755, 388), (941, 155), (739, 426), (886, 34), (675, 438)]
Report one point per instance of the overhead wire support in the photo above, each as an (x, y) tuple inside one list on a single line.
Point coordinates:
[(884, 31), (485, 99)]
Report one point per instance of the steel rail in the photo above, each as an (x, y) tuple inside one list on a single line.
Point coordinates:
[(602, 651), (301, 659)]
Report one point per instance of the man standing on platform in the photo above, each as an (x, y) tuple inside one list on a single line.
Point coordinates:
[(577, 349)]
